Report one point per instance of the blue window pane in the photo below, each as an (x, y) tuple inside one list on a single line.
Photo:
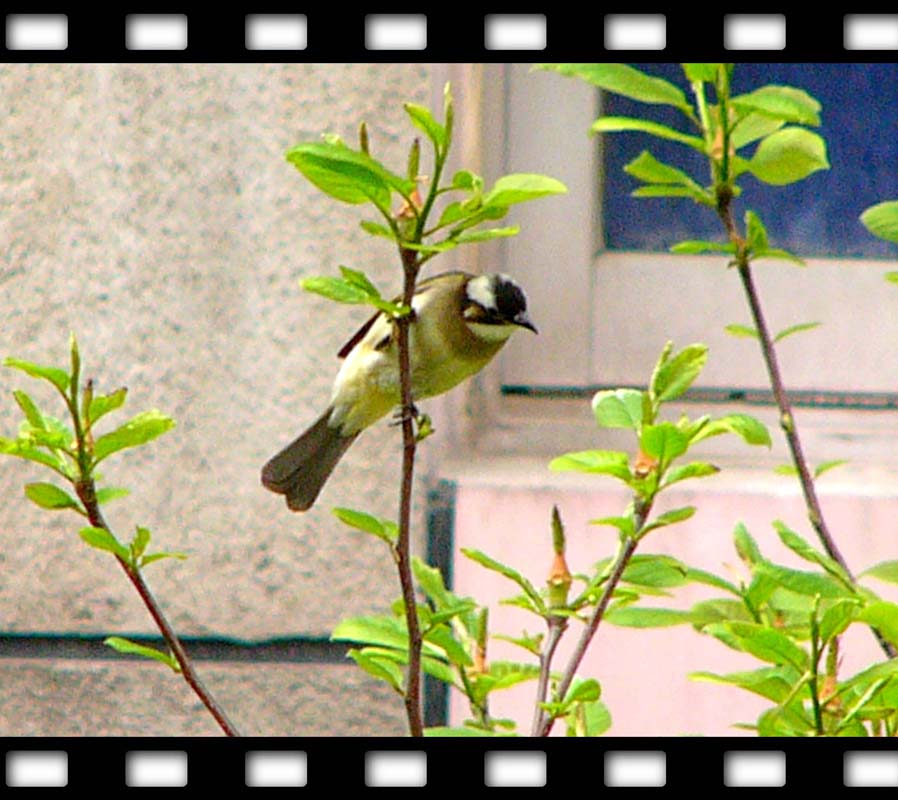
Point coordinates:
[(815, 217)]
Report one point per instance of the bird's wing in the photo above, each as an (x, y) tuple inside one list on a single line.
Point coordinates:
[(361, 332)]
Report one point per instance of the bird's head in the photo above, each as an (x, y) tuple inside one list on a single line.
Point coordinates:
[(494, 306)]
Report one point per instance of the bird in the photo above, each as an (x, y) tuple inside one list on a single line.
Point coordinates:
[(459, 321)]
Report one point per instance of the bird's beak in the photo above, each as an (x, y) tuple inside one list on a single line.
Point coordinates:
[(524, 321)]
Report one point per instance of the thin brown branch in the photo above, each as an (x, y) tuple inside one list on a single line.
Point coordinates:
[(402, 550), (87, 492), (625, 553), (557, 627), (786, 417)]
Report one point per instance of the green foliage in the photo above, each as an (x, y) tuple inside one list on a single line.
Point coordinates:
[(133, 648)]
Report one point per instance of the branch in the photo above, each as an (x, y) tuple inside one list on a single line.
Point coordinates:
[(87, 492), (402, 551), (557, 626)]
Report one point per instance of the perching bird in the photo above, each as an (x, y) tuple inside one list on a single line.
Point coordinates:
[(459, 323)]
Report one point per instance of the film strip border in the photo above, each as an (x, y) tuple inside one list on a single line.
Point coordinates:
[(443, 35), (347, 764)]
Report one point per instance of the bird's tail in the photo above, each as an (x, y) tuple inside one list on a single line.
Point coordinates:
[(302, 468)]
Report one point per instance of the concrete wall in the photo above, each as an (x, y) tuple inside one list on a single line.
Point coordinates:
[(149, 208)]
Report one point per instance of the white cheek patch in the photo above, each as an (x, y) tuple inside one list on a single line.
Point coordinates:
[(480, 290)]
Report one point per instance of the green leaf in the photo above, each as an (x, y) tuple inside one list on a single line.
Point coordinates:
[(752, 430), (347, 175), (335, 289), (891, 277), (755, 231), (618, 124), (624, 524), (784, 103), (430, 579), (30, 410), (885, 571), (381, 528), (883, 616), (588, 719), (699, 246), (701, 73), (359, 279), (769, 682), (423, 119), (132, 648), (139, 430), (584, 691), (58, 377), (664, 190), (785, 721), (695, 575), (801, 582), (805, 551), (764, 643), (802, 326), (618, 408), (46, 495), (668, 518), (104, 540), (474, 237), (752, 127), (532, 644), (782, 255), (664, 442), (140, 542), (825, 466), (442, 637), (375, 229), (627, 81), (381, 668), (110, 493), (678, 372), (24, 449), (630, 617), (490, 563), (882, 220), (604, 462), (787, 156), (467, 180), (746, 547), (659, 571), (837, 618), (521, 187), (159, 556), (694, 469), (102, 404)]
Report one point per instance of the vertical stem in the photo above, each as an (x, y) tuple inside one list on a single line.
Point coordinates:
[(403, 544), (557, 626)]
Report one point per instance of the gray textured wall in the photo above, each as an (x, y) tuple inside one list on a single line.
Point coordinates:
[(149, 208)]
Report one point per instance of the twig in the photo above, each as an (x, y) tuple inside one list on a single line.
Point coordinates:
[(402, 551), (786, 417), (557, 627), (625, 553), (87, 492)]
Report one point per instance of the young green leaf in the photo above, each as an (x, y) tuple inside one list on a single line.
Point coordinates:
[(755, 232), (825, 466), (139, 430), (805, 551), (677, 373), (139, 543), (657, 571), (133, 648), (664, 442), (487, 235), (801, 582), (618, 408), (630, 617), (751, 127), (375, 229), (617, 124), (801, 326), (347, 175), (752, 430), (837, 618), (882, 220), (381, 528), (784, 103), (772, 683), (104, 540), (765, 643), (381, 668), (788, 156), (58, 377), (25, 449), (46, 495), (746, 547), (521, 187), (694, 575), (627, 81), (665, 190), (625, 525), (701, 73), (336, 289), (885, 571), (883, 616), (532, 644), (102, 404), (30, 410), (490, 563), (668, 518), (588, 719), (695, 469), (423, 119), (694, 247), (110, 493), (583, 691), (604, 462)]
